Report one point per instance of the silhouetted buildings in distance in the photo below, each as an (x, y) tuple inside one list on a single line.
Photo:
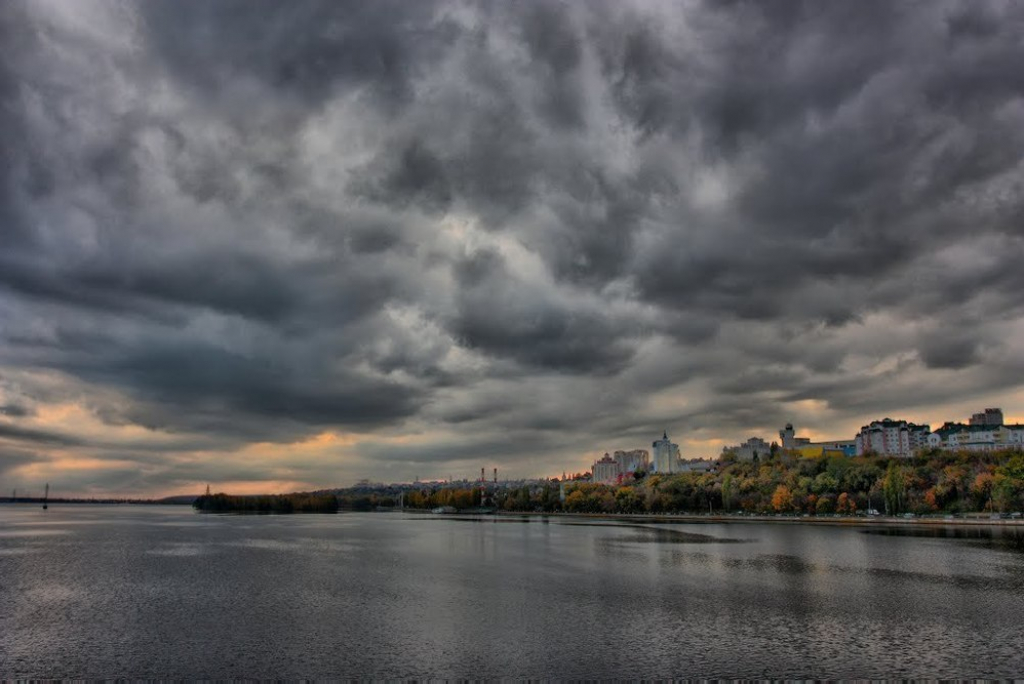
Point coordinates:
[(753, 449), (621, 466)]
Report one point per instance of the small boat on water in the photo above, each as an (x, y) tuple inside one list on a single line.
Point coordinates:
[(46, 496), (444, 509)]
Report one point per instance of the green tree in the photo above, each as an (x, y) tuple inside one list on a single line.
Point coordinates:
[(894, 487), (727, 491), (824, 483), (628, 501), (1002, 492), (825, 505)]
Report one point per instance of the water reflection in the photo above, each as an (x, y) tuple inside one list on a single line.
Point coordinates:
[(661, 535), (151, 594), (1007, 538)]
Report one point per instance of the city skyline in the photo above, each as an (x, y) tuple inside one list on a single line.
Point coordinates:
[(283, 246)]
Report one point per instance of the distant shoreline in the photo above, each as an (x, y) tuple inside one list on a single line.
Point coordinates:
[(95, 502)]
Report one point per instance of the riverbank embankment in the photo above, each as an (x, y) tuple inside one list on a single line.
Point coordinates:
[(866, 521)]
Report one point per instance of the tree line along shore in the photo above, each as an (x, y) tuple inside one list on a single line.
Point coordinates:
[(932, 482)]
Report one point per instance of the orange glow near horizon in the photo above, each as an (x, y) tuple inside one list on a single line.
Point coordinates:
[(336, 457)]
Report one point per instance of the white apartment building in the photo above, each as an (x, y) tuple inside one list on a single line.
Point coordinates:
[(977, 436), (1014, 435), (890, 437)]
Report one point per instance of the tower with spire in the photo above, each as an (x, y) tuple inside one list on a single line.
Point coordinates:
[(666, 455)]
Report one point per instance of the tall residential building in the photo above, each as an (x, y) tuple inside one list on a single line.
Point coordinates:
[(606, 470), (632, 461), (990, 416), (667, 458), (621, 466), (888, 437)]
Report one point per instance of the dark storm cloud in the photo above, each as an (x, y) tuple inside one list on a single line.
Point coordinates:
[(956, 350), (416, 176), (243, 221), (847, 146), (32, 178), (555, 47), (308, 50), (14, 458), (16, 410), (511, 318), (232, 283), (216, 381), (13, 432)]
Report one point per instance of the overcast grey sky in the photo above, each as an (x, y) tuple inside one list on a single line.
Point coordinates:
[(279, 245)]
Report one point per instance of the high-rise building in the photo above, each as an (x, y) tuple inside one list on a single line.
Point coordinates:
[(667, 458), (632, 461), (606, 470), (888, 437), (990, 416), (621, 466)]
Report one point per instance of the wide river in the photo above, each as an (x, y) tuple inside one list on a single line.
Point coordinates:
[(162, 592)]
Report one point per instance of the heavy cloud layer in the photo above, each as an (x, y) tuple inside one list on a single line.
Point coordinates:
[(295, 244)]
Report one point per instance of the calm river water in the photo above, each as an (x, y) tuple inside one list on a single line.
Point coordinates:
[(119, 591)]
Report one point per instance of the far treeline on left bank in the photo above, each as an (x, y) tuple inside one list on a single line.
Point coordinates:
[(319, 502)]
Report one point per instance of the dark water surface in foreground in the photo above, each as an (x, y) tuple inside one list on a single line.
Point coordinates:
[(108, 591)]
